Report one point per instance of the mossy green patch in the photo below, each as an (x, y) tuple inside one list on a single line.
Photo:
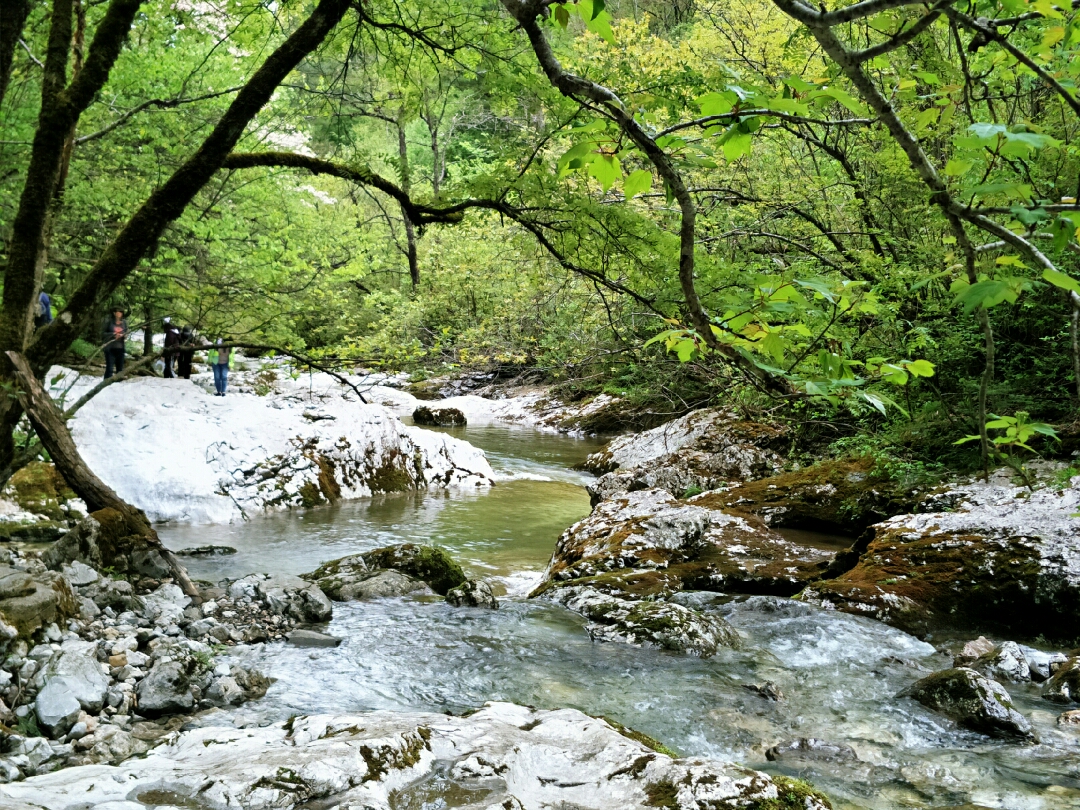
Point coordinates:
[(793, 795), (427, 563), (40, 489), (644, 739)]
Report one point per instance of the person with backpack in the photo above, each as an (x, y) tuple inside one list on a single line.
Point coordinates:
[(172, 341), (114, 335), (221, 360), (185, 355), (43, 316)]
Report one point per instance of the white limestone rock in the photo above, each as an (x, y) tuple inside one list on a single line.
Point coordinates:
[(179, 453), (525, 757)]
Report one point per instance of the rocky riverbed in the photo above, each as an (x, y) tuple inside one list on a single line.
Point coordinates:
[(736, 639)]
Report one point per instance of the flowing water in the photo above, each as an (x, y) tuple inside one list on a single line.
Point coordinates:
[(838, 674)]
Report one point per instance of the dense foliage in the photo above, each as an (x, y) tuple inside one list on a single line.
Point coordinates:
[(905, 270)]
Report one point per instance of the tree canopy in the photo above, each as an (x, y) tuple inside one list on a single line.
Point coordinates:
[(861, 214)]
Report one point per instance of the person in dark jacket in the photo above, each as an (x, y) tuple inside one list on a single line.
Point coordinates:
[(114, 334), (183, 360), (44, 311), (172, 340)]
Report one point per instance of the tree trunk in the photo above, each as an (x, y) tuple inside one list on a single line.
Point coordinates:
[(49, 425), (12, 22), (410, 230), (148, 333)]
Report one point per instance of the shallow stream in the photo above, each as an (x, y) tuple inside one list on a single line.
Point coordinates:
[(838, 673)]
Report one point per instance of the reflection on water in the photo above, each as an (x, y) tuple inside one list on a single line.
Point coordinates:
[(838, 674)]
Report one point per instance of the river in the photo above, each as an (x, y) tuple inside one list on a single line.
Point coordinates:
[(838, 674)]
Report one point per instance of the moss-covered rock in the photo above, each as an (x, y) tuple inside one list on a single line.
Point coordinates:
[(429, 564), (843, 496), (438, 417), (648, 543), (104, 540), (28, 602), (38, 488), (1004, 559), (1064, 684)]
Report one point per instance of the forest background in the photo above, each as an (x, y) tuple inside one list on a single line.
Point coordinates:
[(882, 246)]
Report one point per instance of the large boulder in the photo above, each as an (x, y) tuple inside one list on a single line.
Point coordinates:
[(29, 602), (511, 756), (648, 543), (345, 578), (253, 453), (973, 701), (56, 708), (840, 496), (1002, 558), (702, 450)]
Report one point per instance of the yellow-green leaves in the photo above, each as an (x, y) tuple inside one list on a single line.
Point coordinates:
[(1059, 279), (637, 182), (592, 12), (606, 169)]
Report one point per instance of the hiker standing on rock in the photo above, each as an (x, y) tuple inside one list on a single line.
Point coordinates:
[(220, 360), (172, 340), (185, 355), (115, 334)]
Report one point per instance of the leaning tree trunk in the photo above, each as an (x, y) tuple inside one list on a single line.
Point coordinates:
[(51, 429)]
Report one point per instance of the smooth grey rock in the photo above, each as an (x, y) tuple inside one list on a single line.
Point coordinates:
[(1004, 662), (310, 638), (285, 595), (166, 605), (973, 701), (56, 708), (79, 574), (472, 593), (225, 692), (165, 690), (78, 668), (381, 585)]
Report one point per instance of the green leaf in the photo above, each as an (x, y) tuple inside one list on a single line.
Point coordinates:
[(716, 103), (562, 16), (920, 368), (1062, 280), (1015, 191), (958, 168), (986, 294), (987, 131), (606, 169), (638, 182), (597, 8), (736, 144)]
